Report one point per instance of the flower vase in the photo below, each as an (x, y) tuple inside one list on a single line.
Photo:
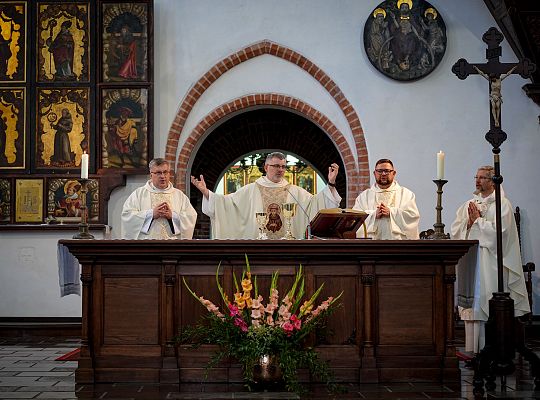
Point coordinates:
[(267, 371)]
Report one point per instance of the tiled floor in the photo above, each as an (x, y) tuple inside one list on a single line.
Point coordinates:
[(28, 371)]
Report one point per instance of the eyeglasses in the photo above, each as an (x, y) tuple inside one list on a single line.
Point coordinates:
[(161, 173), (482, 178), (278, 166), (384, 171)]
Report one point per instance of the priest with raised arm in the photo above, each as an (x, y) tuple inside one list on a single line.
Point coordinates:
[(233, 215), (392, 208)]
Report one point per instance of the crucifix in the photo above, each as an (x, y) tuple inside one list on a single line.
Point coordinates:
[(496, 358)]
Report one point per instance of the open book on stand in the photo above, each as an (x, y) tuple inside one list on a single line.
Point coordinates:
[(338, 223)]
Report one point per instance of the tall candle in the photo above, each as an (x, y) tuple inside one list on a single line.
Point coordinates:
[(84, 166), (440, 165)]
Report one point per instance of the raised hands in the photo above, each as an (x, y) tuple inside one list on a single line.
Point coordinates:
[(200, 184), (333, 170)]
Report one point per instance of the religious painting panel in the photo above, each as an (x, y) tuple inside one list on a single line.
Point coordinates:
[(63, 132), (307, 180), (62, 42), (125, 42), (64, 200), (29, 200), (5, 201), (234, 179), (12, 129), (125, 141), (13, 33), (405, 39)]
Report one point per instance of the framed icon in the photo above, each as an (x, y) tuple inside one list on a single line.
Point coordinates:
[(13, 35), (12, 128), (5, 200), (125, 141), (62, 42), (64, 200), (29, 200), (62, 128), (125, 42)]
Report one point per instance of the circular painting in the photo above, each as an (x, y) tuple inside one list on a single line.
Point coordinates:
[(405, 39)]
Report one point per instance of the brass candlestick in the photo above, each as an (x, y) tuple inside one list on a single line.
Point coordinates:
[(83, 225), (439, 226)]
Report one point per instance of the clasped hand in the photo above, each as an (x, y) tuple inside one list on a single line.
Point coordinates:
[(162, 211), (383, 211), (474, 214)]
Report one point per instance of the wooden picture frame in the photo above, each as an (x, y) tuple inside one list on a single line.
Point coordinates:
[(63, 132), (5, 201), (63, 32), (13, 38), (125, 42), (12, 128), (29, 200), (126, 143), (64, 200)]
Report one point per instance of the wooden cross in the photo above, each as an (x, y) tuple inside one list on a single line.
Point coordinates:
[(494, 71)]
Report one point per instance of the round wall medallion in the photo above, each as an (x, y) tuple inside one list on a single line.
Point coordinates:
[(405, 39)]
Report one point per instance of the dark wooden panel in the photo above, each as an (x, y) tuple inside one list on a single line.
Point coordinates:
[(405, 310), (131, 310)]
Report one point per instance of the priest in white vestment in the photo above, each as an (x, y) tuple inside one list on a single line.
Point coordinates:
[(233, 216), (392, 208), (157, 210), (477, 270)]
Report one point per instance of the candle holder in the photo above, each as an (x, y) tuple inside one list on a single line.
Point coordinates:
[(83, 225), (439, 226)]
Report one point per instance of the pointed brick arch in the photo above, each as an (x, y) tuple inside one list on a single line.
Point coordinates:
[(357, 173)]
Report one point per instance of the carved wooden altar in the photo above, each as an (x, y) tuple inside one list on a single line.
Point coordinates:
[(396, 322)]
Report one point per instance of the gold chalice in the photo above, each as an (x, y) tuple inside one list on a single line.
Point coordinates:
[(262, 220), (289, 211)]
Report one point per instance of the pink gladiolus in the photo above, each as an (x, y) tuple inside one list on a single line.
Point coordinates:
[(288, 328), (239, 322), (233, 310), (297, 323), (255, 314)]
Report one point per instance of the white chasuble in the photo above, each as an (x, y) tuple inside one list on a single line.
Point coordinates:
[(404, 216), (233, 215), (137, 214)]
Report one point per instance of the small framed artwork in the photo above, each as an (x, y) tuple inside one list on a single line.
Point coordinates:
[(62, 128), (307, 179), (13, 34), (5, 201), (64, 200), (125, 42), (62, 42), (125, 131), (12, 128), (29, 200)]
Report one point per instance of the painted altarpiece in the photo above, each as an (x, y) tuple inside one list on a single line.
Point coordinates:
[(13, 33), (12, 128)]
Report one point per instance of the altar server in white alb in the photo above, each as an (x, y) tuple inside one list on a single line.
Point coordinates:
[(233, 215), (392, 208), (157, 210), (477, 270)]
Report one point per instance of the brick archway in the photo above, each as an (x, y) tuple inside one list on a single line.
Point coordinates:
[(357, 173)]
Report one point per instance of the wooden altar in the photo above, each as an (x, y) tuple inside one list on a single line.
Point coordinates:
[(396, 322)]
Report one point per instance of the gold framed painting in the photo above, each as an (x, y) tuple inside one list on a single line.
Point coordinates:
[(5, 201), (126, 133), (64, 200), (13, 35), (63, 42), (125, 42), (12, 128), (29, 200), (63, 133)]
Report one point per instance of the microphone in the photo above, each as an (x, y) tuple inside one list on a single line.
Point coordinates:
[(308, 227)]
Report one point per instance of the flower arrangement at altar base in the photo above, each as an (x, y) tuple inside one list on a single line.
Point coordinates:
[(253, 332)]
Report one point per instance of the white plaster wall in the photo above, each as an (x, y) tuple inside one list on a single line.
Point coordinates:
[(407, 122)]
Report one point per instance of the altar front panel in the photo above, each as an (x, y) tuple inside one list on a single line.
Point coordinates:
[(395, 321)]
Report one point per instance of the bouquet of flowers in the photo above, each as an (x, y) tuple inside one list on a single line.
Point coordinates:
[(253, 332)]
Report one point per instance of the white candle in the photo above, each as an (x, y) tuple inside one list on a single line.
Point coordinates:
[(440, 165), (84, 166)]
